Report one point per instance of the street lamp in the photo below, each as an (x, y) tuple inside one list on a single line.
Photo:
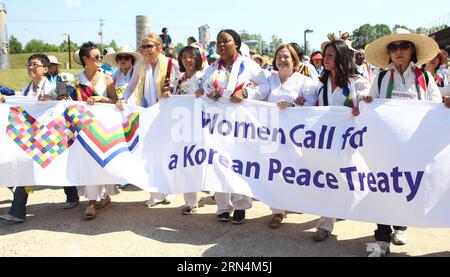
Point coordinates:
[(70, 56), (306, 45)]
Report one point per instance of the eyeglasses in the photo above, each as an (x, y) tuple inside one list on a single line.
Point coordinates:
[(98, 57), (147, 46), (392, 48), (34, 65), (123, 57)]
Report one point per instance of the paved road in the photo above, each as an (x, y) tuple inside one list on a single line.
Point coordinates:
[(128, 228)]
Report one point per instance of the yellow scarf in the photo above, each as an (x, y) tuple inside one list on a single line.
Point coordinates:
[(162, 72)]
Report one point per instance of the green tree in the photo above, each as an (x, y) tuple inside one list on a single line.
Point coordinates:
[(276, 42), (178, 47), (15, 46), (367, 33), (38, 46), (261, 44), (64, 47), (396, 26), (113, 44)]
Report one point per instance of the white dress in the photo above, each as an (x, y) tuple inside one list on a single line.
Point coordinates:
[(96, 192)]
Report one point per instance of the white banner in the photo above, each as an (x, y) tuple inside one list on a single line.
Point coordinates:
[(389, 165)]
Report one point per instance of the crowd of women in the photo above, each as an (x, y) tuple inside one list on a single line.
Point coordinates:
[(398, 66)]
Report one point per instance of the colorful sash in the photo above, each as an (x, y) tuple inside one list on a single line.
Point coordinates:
[(165, 68), (420, 83), (232, 77), (304, 70), (83, 92)]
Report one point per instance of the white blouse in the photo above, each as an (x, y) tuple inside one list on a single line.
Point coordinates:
[(296, 86), (44, 87), (188, 86), (359, 86)]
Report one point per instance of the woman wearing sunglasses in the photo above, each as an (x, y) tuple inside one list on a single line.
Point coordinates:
[(124, 60), (400, 54), (150, 83), (94, 86)]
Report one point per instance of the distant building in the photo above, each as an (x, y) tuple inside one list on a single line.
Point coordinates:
[(142, 28), (204, 34), (4, 52)]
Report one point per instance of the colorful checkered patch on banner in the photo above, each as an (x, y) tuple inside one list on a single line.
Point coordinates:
[(43, 143)]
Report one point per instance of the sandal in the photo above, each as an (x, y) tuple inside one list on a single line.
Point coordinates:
[(104, 202), (91, 210), (276, 220)]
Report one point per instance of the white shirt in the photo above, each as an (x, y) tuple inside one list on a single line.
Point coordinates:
[(296, 86), (100, 88), (359, 86), (407, 90), (188, 86), (121, 81), (44, 87), (252, 73)]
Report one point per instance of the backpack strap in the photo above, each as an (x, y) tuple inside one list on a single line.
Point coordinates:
[(380, 78), (325, 94)]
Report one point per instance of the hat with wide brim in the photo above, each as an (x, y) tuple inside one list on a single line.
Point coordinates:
[(76, 57), (54, 60), (426, 48), (126, 49)]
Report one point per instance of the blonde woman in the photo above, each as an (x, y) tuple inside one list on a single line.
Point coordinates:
[(150, 83)]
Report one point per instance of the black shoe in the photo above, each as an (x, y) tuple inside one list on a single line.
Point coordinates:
[(223, 217), (238, 217)]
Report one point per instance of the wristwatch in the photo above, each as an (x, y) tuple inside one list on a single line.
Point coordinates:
[(245, 93)]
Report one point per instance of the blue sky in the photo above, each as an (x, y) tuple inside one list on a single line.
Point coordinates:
[(28, 19)]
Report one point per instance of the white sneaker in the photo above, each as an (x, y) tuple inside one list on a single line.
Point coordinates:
[(399, 237), (9, 217), (378, 249)]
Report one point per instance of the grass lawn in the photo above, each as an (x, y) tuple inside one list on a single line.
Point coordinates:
[(16, 77)]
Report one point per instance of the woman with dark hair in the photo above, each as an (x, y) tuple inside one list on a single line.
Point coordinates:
[(342, 86), (94, 86), (401, 53), (189, 83), (236, 78), (305, 69)]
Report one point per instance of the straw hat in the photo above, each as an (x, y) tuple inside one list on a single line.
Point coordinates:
[(76, 57), (426, 48), (54, 60), (126, 49)]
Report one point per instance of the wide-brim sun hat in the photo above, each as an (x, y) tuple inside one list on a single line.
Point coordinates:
[(76, 57), (426, 48), (126, 49), (54, 60)]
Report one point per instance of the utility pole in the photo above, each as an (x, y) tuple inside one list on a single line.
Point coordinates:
[(102, 22)]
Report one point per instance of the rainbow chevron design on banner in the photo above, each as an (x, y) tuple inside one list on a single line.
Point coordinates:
[(43, 143), (103, 143)]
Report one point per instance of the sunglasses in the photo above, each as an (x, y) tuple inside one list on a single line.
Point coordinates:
[(147, 46), (123, 57), (402, 46), (98, 57)]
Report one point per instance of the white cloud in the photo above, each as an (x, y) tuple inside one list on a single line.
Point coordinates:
[(374, 4), (73, 3)]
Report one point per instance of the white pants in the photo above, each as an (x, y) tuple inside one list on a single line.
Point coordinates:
[(227, 201), (191, 199), (97, 193), (158, 197), (326, 223)]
